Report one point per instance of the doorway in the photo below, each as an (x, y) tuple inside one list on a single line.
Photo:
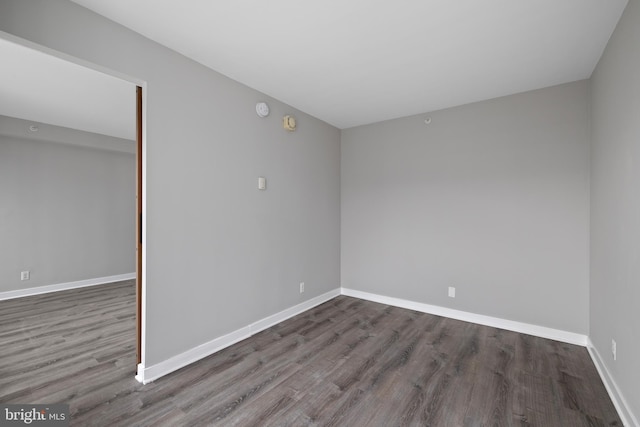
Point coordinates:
[(58, 92)]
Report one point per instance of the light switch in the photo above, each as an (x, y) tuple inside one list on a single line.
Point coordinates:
[(262, 183)]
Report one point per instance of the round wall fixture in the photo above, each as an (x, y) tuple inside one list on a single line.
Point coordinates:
[(33, 128), (262, 109), (289, 123)]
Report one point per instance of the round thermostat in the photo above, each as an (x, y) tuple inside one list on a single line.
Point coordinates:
[(262, 109), (289, 123)]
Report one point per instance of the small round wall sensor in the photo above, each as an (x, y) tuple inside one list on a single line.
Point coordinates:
[(34, 128), (262, 109), (427, 121)]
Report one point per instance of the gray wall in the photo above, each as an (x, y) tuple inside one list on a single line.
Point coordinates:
[(491, 198), (67, 212), (221, 254), (615, 205)]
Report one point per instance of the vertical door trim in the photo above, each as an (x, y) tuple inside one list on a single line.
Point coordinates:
[(138, 224)]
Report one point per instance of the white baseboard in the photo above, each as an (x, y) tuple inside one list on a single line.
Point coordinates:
[(496, 322), (624, 411), (139, 371), (146, 375), (151, 373), (65, 286), (288, 313)]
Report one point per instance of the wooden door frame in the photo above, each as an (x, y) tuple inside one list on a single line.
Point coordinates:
[(138, 225)]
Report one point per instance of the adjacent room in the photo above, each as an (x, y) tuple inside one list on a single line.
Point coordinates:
[(344, 213)]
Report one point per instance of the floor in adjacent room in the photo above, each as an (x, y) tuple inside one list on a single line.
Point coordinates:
[(347, 362)]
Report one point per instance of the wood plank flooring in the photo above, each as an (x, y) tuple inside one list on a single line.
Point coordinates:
[(347, 362)]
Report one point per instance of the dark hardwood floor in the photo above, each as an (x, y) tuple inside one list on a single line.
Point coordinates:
[(347, 362)]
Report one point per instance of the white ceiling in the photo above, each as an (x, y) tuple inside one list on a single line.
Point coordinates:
[(352, 62), (347, 62), (42, 88)]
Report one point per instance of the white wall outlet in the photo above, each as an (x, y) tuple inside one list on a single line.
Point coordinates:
[(452, 292), (24, 275), (301, 287), (614, 349)]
